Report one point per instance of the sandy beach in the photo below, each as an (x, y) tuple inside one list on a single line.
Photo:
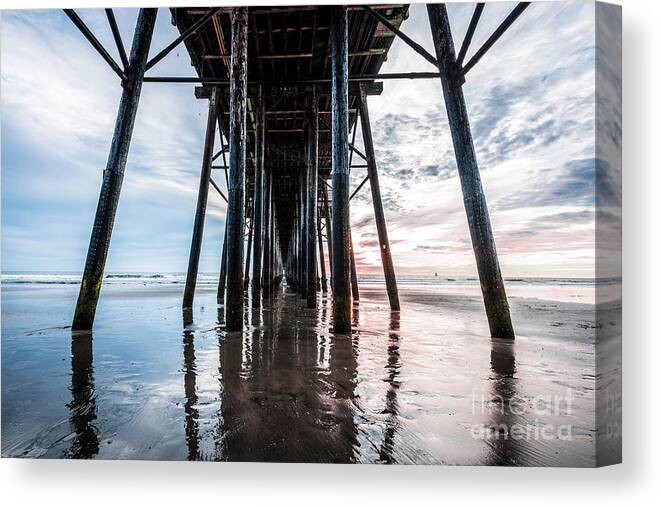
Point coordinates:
[(425, 386)]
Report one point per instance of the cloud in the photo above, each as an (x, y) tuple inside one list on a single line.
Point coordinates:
[(530, 102), (59, 103), (572, 184), (532, 112)]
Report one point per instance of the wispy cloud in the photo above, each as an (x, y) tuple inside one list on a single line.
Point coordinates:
[(530, 100), (59, 103), (531, 104)]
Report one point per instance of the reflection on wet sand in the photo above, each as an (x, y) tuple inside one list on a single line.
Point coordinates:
[(190, 406), (82, 408), (396, 390), (279, 401), (504, 449), (392, 408)]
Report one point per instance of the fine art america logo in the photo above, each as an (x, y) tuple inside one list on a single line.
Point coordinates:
[(519, 417)]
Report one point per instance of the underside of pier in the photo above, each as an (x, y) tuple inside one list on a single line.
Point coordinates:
[(287, 89), (296, 61)]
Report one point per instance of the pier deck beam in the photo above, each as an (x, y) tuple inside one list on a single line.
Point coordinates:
[(311, 208), (237, 163), (377, 203), (484, 246), (340, 173), (113, 175), (257, 209), (202, 198)]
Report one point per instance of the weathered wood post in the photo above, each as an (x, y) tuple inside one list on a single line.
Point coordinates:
[(302, 248), (113, 175), (266, 269), (322, 262), (311, 207), (377, 203), (274, 246), (222, 278), (237, 163), (340, 134), (303, 188), (329, 235), (258, 208), (484, 246), (294, 250), (355, 293), (202, 198), (246, 276)]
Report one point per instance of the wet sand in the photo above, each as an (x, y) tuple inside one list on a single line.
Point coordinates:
[(424, 386)]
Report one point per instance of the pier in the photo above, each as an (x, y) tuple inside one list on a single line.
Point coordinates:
[(287, 89)]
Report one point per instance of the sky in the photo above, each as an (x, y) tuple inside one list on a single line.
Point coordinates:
[(531, 102)]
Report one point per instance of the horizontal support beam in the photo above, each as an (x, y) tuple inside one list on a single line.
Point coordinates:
[(295, 112), (289, 56), (287, 131), (224, 82), (285, 9)]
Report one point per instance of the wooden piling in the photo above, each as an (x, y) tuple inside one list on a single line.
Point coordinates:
[(267, 206), (355, 293), (377, 203), (237, 162), (303, 250), (484, 246), (329, 235), (258, 197), (202, 198), (222, 278), (340, 134), (311, 208), (113, 175), (274, 247), (322, 262), (246, 276)]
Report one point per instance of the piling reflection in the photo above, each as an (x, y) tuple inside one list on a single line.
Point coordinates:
[(355, 315), (391, 409), (82, 408), (289, 405), (190, 391), (504, 418)]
